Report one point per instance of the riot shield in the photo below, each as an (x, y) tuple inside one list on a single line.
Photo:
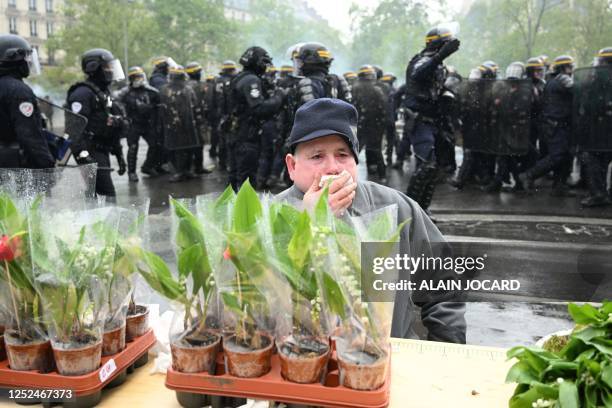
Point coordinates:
[(496, 115), (511, 116), (62, 128), (475, 95), (178, 116), (592, 109)]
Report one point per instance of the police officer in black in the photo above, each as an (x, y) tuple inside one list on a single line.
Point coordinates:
[(391, 134), (250, 108), (22, 144), (371, 104), (159, 77), (141, 103), (219, 113), (425, 76), (535, 70), (313, 61), (596, 163), (556, 128), (201, 89), (105, 118)]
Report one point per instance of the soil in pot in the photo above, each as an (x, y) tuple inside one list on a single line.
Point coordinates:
[(113, 341), (2, 349), (137, 323), (195, 353), (28, 355), (303, 359), (243, 361), (79, 357), (363, 370)]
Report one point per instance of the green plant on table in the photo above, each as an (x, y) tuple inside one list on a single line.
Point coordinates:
[(579, 375), (22, 301)]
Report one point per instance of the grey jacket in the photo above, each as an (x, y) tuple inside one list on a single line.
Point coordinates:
[(445, 321)]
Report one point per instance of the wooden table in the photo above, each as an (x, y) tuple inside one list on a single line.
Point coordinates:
[(424, 374)]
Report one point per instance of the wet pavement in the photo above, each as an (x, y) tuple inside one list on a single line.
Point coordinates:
[(544, 241)]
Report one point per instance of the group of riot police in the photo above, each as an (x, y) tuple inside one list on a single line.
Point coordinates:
[(514, 130)]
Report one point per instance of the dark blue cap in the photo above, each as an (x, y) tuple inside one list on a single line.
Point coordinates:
[(324, 117)]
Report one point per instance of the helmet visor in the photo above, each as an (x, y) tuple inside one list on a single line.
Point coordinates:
[(33, 63), (116, 69), (454, 27)]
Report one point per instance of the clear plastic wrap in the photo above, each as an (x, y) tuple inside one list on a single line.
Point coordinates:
[(72, 259)]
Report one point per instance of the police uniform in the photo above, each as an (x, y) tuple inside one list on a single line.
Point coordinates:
[(22, 143)]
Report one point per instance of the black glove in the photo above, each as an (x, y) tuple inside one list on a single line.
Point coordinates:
[(122, 165), (448, 49)]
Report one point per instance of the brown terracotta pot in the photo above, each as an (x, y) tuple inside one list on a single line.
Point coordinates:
[(187, 358), (364, 377), (138, 323), (303, 368), (78, 361), (29, 356), (113, 341), (246, 363)]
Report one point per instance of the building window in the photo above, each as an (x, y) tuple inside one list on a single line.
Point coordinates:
[(33, 28), (32, 5), (49, 6), (13, 25), (50, 56), (49, 28), (12, 3)]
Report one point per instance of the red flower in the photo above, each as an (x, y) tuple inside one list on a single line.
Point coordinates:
[(227, 254), (9, 248)]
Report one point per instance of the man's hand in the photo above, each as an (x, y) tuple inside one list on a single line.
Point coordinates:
[(341, 193), (449, 48)]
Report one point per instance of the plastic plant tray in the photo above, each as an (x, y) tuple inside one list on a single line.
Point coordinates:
[(273, 387), (113, 371)]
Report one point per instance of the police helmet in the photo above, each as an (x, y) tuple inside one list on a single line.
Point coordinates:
[(228, 67), (562, 62), (367, 72), (515, 70), (534, 67), (488, 69), (194, 70), (177, 73), (349, 75), (136, 72), (545, 60), (437, 37), (16, 55), (99, 62), (256, 59), (379, 71), (604, 56), (389, 77)]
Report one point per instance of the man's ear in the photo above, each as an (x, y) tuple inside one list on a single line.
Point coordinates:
[(290, 162)]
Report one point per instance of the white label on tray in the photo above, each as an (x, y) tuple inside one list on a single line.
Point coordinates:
[(107, 370)]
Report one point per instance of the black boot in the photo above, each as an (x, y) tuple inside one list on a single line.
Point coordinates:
[(464, 171), (132, 157), (422, 184)]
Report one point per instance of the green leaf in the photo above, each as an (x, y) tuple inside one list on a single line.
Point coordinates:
[(188, 260), (568, 395), (157, 274), (521, 373), (298, 249), (334, 295), (322, 211), (606, 374), (231, 302), (585, 314), (247, 209)]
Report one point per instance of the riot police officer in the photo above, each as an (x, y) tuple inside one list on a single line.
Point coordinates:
[(181, 116), (250, 108), (105, 118), (535, 70), (141, 103), (425, 76), (556, 116), (201, 89), (159, 77), (350, 77), (313, 61), (220, 111), (22, 144), (594, 162), (371, 104), (391, 134)]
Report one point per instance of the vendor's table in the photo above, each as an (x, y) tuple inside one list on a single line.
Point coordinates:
[(424, 375)]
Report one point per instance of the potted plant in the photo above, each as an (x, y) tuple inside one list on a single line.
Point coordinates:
[(362, 339), (27, 345), (244, 285), (72, 254), (301, 245)]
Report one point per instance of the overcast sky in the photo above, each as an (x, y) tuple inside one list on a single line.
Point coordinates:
[(337, 11)]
